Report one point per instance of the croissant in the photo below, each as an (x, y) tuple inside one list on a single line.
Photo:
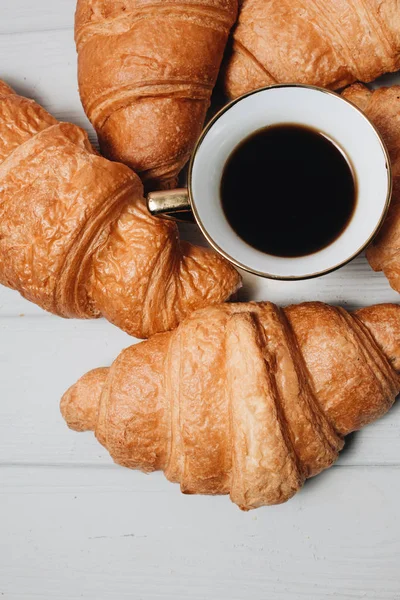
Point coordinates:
[(76, 237), (146, 70), (243, 399), (328, 44), (382, 106)]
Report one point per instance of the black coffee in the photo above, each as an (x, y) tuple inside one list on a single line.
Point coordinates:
[(288, 190)]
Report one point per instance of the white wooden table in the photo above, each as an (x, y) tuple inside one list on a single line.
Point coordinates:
[(73, 525)]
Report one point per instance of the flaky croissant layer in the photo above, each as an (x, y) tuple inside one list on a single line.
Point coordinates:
[(244, 399), (328, 44), (76, 237), (146, 71), (382, 107)]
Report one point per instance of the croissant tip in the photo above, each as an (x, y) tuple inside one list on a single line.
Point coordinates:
[(79, 405)]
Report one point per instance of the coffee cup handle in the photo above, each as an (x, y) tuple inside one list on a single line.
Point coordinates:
[(170, 204)]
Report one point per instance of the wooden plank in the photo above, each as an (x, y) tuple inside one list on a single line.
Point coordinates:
[(73, 525), (22, 15), (41, 358), (42, 65), (352, 286), (71, 533)]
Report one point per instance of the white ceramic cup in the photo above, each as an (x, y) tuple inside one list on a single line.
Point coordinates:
[(320, 109)]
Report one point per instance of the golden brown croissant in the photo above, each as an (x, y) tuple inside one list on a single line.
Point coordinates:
[(146, 71), (245, 399), (329, 44), (382, 106), (76, 237)]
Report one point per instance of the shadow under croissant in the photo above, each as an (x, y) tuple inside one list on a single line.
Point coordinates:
[(351, 442)]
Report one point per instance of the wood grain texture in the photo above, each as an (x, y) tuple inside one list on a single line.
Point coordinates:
[(74, 525), (95, 534), (42, 65), (20, 15)]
